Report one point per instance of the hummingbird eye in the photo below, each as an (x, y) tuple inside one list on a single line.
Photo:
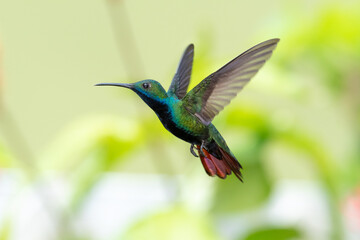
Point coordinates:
[(146, 85)]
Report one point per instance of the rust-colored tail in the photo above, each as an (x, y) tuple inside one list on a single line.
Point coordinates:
[(220, 167)]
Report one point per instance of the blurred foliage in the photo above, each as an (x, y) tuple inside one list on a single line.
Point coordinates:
[(176, 223), (322, 51), (274, 233), (6, 160), (5, 231), (91, 148), (229, 195), (329, 42)]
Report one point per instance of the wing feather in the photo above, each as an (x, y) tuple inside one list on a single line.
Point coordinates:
[(181, 80), (216, 91)]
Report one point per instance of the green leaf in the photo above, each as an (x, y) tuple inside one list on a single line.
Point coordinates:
[(274, 233), (233, 196)]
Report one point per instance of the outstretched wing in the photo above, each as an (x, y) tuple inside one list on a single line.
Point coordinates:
[(181, 79), (216, 91)]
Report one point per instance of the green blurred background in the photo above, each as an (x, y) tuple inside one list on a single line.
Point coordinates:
[(79, 162)]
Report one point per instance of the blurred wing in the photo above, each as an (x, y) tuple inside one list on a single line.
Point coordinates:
[(181, 79), (216, 91)]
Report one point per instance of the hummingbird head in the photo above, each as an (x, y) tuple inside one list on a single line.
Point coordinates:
[(150, 91)]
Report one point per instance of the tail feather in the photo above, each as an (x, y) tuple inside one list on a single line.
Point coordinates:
[(208, 165), (232, 162), (212, 165), (220, 167)]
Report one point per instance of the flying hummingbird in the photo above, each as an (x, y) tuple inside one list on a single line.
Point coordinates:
[(189, 115)]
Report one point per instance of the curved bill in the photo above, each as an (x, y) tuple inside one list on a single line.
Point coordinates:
[(125, 85)]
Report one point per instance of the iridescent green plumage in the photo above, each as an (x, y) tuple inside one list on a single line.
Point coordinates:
[(188, 116)]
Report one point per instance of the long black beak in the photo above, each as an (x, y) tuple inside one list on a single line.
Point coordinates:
[(125, 85)]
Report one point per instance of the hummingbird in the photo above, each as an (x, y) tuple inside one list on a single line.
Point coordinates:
[(188, 115)]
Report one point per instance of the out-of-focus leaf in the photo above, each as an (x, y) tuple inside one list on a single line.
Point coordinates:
[(174, 224), (6, 160), (90, 148), (107, 138), (324, 163), (232, 196), (274, 233), (248, 118), (5, 230), (327, 47)]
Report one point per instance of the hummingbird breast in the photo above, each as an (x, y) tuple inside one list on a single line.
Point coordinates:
[(181, 123)]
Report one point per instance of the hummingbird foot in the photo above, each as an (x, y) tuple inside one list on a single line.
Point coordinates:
[(202, 148), (192, 150)]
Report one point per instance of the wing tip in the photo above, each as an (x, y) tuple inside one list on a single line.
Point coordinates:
[(271, 41), (189, 49)]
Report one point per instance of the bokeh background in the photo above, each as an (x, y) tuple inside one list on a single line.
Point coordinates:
[(80, 162)]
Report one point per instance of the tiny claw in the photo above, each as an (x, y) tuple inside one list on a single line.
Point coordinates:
[(192, 150), (201, 149)]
